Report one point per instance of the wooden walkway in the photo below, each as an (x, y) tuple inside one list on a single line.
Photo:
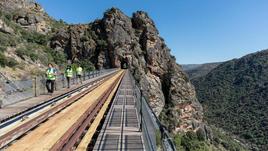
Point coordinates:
[(121, 129)]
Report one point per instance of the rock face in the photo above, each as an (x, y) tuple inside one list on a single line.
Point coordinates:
[(116, 39), (27, 14)]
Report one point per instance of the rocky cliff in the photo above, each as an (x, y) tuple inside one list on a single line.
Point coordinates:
[(28, 14), (117, 38)]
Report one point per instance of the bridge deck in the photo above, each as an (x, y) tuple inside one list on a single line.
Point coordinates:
[(21, 106), (121, 130)]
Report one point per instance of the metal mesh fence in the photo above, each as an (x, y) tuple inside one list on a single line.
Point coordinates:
[(15, 91), (155, 135), (12, 91)]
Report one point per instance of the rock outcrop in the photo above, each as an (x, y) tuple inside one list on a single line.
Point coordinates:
[(117, 38), (112, 41), (27, 14)]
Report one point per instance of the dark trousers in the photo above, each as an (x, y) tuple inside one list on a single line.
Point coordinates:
[(50, 84), (68, 81), (79, 77)]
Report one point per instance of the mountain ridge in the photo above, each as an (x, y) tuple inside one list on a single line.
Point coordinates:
[(199, 70)]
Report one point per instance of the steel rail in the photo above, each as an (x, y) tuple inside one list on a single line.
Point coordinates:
[(24, 128), (73, 134)]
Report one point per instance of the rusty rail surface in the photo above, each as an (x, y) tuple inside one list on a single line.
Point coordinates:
[(24, 128), (73, 135)]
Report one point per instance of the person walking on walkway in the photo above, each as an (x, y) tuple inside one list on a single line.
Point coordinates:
[(79, 72), (69, 74), (51, 77)]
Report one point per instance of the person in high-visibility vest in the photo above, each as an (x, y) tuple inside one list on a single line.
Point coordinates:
[(69, 74), (51, 77), (79, 73)]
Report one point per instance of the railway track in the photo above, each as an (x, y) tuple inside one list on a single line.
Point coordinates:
[(17, 116), (59, 125)]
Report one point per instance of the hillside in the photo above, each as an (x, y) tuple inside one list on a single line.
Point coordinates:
[(235, 97), (199, 70), (187, 67), (25, 31)]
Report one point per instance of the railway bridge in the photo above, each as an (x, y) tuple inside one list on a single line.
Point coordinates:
[(107, 112)]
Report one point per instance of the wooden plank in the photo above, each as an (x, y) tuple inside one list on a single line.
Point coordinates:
[(88, 136)]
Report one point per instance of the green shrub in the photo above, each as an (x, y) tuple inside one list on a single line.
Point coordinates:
[(2, 49), (7, 40), (22, 52), (11, 62), (190, 142), (177, 140), (102, 43), (3, 60), (220, 138), (158, 139), (8, 17), (87, 65), (33, 56), (34, 37), (57, 25), (7, 61), (59, 57), (201, 134)]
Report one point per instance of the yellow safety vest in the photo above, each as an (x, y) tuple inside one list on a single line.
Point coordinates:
[(50, 74), (79, 71), (69, 73)]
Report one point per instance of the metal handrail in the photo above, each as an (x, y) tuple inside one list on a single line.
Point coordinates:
[(167, 143)]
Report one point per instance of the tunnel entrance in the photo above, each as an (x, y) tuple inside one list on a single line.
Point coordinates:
[(124, 63)]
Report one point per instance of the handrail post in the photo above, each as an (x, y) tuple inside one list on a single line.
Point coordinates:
[(62, 79), (84, 76), (141, 110), (35, 86)]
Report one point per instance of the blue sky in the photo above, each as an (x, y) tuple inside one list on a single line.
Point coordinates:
[(197, 31)]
